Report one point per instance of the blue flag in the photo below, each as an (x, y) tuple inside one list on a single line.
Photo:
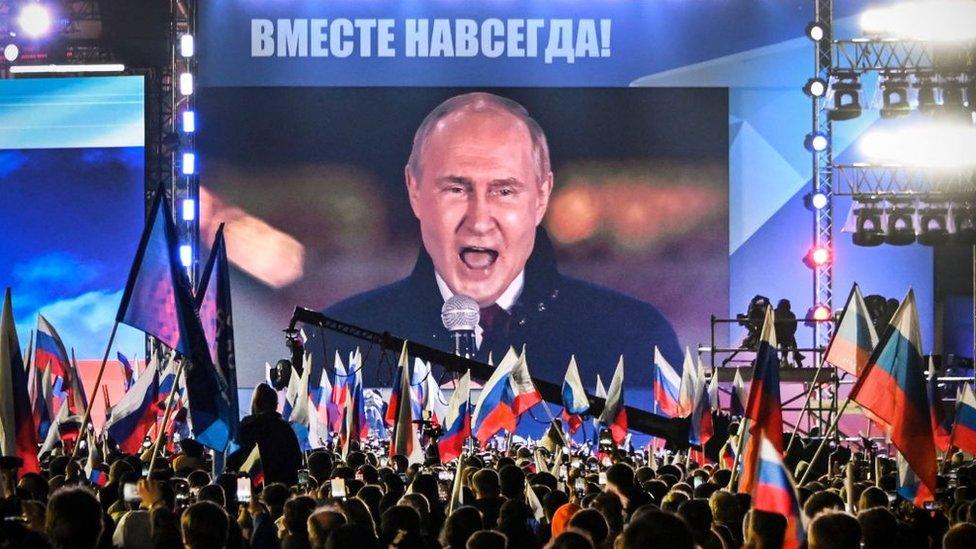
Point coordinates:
[(158, 300), (214, 306)]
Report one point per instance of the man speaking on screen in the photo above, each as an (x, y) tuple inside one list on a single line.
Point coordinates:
[(479, 181)]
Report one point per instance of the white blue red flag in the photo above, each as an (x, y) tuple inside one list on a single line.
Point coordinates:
[(614, 413), (575, 402), (854, 338), (764, 409), (457, 421), (964, 428), (405, 440), (667, 386), (774, 492), (688, 392), (135, 414), (892, 387), (494, 410), (50, 355)]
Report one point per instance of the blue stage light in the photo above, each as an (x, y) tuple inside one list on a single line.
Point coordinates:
[(189, 209), (186, 255), (189, 121), (189, 163)]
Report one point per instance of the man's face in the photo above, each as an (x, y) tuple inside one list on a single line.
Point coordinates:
[(479, 200)]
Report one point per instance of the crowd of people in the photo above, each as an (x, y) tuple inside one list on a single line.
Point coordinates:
[(367, 500)]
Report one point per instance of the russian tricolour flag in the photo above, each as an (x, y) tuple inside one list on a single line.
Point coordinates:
[(667, 385), (506, 395), (416, 378), (764, 409), (964, 428), (575, 402), (133, 416), (457, 421), (614, 413), (892, 387), (854, 338), (774, 493)]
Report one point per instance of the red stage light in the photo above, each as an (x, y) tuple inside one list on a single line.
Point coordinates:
[(818, 256)]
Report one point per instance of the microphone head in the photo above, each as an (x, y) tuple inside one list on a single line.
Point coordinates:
[(460, 313)]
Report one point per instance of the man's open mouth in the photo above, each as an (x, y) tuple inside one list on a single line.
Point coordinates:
[(478, 258)]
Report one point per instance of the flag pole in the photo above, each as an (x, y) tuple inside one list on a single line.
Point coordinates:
[(98, 382), (30, 350), (806, 405), (161, 432), (823, 441), (738, 454)]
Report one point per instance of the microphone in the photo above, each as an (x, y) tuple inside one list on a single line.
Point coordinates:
[(460, 315)]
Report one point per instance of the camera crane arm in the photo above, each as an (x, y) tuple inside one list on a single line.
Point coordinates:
[(673, 429)]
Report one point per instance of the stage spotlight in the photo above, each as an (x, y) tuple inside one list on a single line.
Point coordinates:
[(964, 218), (954, 100), (189, 209), (186, 255), (34, 20), (821, 313), (189, 163), (815, 87), (186, 83), (816, 31), (189, 122), (894, 96), (901, 223), (817, 256), (933, 225), (868, 228), (816, 142), (186, 45), (948, 144), (815, 201), (929, 20), (11, 52), (847, 98), (926, 94)]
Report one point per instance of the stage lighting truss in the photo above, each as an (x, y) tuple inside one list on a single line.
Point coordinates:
[(892, 180)]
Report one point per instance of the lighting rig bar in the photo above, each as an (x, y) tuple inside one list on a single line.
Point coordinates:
[(864, 55), (895, 180)]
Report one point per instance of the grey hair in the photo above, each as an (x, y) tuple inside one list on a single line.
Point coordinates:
[(481, 102)]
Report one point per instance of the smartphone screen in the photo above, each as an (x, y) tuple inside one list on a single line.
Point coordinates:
[(302, 477), (339, 488), (603, 477), (243, 489), (130, 493)]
